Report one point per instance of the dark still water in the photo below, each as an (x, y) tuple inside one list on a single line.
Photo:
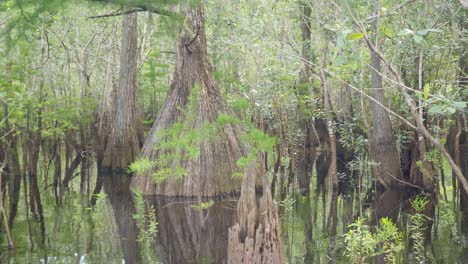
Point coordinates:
[(124, 227)]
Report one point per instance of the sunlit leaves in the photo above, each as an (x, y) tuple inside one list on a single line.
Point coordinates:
[(355, 36)]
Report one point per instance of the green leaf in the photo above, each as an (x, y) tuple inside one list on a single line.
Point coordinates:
[(423, 32), (387, 32), (427, 89), (459, 105), (329, 27), (436, 109), (340, 42), (405, 32), (340, 60), (355, 36), (451, 110), (418, 39)]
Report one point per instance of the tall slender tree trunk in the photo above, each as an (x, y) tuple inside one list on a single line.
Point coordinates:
[(126, 134), (13, 166), (384, 152), (307, 147), (332, 171), (457, 139)]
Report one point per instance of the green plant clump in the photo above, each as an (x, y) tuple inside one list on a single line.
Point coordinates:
[(362, 244)]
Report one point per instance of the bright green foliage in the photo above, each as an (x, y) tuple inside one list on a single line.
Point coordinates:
[(182, 140), (362, 244), (417, 227), (259, 142)]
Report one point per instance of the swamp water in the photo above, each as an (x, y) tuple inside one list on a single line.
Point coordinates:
[(121, 228)]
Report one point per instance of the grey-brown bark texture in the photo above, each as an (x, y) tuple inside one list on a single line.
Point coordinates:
[(256, 236), (126, 134), (383, 147), (211, 172)]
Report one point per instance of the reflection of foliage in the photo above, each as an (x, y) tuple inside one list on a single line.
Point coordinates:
[(145, 219), (362, 244), (203, 205)]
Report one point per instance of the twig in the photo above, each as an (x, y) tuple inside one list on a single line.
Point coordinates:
[(135, 10), (405, 182)]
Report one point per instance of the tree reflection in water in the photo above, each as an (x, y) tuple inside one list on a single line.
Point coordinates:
[(187, 232)]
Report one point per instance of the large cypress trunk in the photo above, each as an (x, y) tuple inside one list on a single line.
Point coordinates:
[(212, 171), (126, 135)]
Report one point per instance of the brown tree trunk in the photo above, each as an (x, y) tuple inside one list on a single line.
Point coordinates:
[(211, 172), (463, 128), (256, 236), (332, 172), (307, 152), (126, 134), (383, 148), (58, 170), (13, 167)]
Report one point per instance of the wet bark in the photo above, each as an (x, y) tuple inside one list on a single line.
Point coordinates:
[(457, 145), (69, 170), (210, 172), (126, 135), (57, 171), (10, 150), (13, 167), (255, 238), (322, 164)]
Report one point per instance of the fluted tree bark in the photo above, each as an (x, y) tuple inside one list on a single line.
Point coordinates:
[(194, 101), (126, 136), (255, 238)]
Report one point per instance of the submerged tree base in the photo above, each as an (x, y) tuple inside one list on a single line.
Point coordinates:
[(256, 236)]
